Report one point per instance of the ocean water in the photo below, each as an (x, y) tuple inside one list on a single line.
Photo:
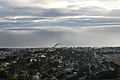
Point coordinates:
[(95, 36)]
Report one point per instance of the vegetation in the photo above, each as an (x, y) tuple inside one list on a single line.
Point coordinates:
[(57, 64)]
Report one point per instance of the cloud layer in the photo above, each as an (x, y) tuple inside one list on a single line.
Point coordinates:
[(35, 7)]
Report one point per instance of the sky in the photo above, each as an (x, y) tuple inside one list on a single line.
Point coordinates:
[(43, 23)]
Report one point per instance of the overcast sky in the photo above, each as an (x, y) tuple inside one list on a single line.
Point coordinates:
[(33, 23)]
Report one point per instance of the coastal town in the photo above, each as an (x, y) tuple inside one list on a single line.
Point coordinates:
[(73, 63)]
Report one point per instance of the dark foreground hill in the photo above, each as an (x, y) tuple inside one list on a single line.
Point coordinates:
[(82, 63)]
